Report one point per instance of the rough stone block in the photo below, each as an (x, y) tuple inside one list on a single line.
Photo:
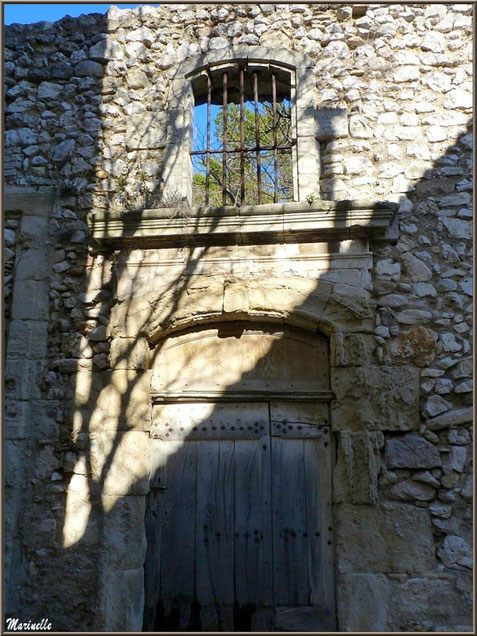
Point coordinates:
[(129, 353), (142, 34), (110, 401), (415, 268), (98, 334), (31, 265), (456, 458), (457, 228), (451, 418), (204, 296), (332, 123), (124, 538), (88, 68), (106, 50), (308, 165), (363, 602), (235, 297), (455, 552), (435, 405), (32, 420), (146, 130), (410, 490), (415, 345), (413, 316), (30, 300), (27, 339), (305, 97), (34, 227), (121, 600), (86, 390), (429, 604), (463, 368), (18, 456), (375, 398), (16, 422), (411, 451), (80, 524), (46, 462), (75, 345), (121, 462), (387, 538), (352, 349), (348, 306), (355, 477), (179, 125), (23, 379)]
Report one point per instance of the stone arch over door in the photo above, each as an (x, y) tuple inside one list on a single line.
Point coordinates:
[(145, 323), (239, 518)]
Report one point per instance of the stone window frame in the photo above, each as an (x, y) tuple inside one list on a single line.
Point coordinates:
[(176, 178)]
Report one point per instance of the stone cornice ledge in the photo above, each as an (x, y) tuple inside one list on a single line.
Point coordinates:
[(320, 221)]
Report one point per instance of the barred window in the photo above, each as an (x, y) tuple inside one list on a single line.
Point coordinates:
[(241, 129), (242, 150)]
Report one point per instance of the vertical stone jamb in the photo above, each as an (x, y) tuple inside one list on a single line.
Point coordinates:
[(25, 356)]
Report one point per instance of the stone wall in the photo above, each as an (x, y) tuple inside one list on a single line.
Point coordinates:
[(10, 252), (85, 126)]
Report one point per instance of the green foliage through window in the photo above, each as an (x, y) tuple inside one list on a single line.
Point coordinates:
[(276, 170)]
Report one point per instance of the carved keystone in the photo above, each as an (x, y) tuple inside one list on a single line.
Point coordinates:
[(235, 297)]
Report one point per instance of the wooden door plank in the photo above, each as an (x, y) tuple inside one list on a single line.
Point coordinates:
[(317, 457), (178, 535), (267, 524), (153, 529), (209, 618), (253, 558), (215, 526), (152, 565), (290, 542)]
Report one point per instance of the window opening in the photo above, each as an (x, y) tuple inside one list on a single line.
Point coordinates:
[(242, 144)]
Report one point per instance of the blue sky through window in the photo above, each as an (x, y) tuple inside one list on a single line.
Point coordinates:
[(200, 124)]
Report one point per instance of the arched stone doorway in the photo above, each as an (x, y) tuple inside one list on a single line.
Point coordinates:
[(239, 521)]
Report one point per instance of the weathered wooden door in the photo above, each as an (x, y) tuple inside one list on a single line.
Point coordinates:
[(239, 518)]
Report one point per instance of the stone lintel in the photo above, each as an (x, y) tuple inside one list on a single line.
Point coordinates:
[(262, 54), (289, 222), (28, 201)]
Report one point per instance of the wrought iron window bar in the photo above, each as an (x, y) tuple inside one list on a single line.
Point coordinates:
[(242, 149)]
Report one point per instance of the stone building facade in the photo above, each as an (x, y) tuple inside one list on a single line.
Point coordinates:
[(134, 319)]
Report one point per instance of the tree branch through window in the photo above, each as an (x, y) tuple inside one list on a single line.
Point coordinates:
[(242, 150)]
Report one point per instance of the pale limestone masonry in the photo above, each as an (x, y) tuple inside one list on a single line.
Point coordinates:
[(108, 270)]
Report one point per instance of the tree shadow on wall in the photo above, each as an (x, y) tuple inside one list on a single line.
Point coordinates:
[(100, 520)]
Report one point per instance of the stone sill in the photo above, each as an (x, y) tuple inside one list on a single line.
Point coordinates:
[(288, 222)]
